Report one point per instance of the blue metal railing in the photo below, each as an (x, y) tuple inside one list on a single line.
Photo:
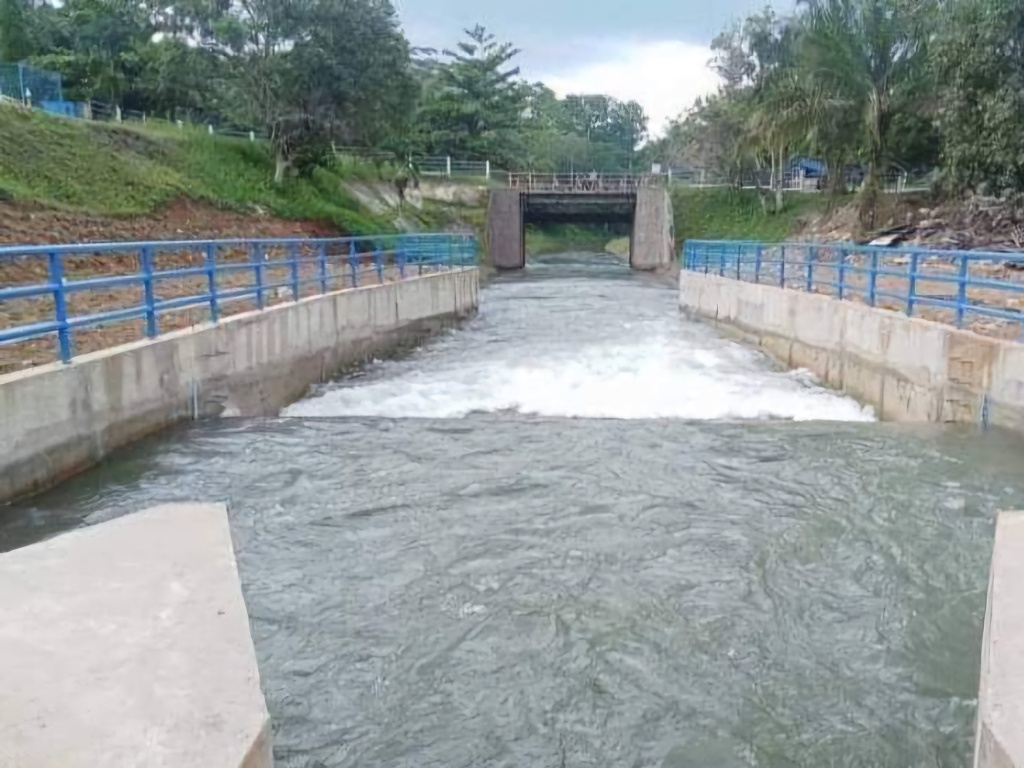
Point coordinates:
[(146, 280), (951, 286)]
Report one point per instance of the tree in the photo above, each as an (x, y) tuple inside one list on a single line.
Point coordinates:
[(478, 103), (15, 43), (872, 56), (979, 59)]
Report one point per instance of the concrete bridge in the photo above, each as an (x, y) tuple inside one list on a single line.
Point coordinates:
[(642, 201)]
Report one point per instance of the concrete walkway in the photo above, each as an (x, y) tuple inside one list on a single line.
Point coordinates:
[(127, 645)]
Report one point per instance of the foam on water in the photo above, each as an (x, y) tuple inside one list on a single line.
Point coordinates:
[(654, 379), (561, 348)]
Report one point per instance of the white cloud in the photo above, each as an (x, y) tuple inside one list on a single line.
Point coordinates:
[(664, 76)]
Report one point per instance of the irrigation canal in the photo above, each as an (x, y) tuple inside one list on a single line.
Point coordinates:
[(583, 531)]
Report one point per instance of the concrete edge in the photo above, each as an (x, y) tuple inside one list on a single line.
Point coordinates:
[(999, 728)]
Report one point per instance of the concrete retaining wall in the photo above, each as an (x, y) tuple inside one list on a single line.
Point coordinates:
[(999, 740), (59, 419), (127, 644), (909, 369)]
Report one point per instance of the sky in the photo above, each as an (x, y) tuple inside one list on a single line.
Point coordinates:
[(654, 51)]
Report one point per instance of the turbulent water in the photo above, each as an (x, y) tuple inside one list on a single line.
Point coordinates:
[(713, 564)]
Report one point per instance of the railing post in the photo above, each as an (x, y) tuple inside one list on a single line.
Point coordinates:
[(146, 257), (256, 254), (487, 170), (842, 271), (322, 266), (782, 268), (811, 255), (448, 166), (912, 284), (757, 263), (378, 264), (873, 278), (961, 291), (293, 263), (353, 263), (739, 259), (60, 306), (400, 258), (211, 279), (721, 260)]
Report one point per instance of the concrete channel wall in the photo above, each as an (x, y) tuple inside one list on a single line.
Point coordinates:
[(59, 419), (907, 368)]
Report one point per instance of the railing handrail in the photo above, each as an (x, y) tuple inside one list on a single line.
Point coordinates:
[(28, 250), (888, 250), (794, 264), (305, 262)]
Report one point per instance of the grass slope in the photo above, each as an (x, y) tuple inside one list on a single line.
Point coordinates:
[(728, 214), (120, 170)]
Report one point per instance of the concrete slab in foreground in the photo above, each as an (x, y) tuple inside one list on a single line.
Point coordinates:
[(999, 742), (127, 645)]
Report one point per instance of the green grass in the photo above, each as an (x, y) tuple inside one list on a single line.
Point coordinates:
[(559, 238), (727, 214), (120, 170)]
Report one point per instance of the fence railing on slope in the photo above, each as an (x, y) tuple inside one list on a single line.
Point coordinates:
[(430, 165), (92, 296), (983, 291), (792, 181)]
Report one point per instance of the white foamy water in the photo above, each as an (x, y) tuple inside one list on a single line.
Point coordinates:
[(603, 345)]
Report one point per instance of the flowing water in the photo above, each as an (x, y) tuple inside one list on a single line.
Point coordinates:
[(583, 531)]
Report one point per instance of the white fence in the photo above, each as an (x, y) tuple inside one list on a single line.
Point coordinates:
[(442, 166), (792, 181)]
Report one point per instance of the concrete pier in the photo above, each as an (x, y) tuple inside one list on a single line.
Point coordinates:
[(651, 243), (127, 645), (999, 740)]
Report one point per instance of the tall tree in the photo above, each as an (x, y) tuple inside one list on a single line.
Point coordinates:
[(872, 55), (479, 102), (979, 57)]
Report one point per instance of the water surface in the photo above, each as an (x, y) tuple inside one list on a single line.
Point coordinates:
[(583, 531)]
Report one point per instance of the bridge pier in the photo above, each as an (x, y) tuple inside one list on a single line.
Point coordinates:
[(505, 240), (534, 198), (651, 243)]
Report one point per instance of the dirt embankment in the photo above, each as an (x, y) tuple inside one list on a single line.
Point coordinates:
[(974, 223), (182, 220)]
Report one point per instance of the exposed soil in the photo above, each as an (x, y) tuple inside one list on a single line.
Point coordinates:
[(182, 220)]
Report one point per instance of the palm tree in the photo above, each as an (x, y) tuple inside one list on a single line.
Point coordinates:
[(869, 56)]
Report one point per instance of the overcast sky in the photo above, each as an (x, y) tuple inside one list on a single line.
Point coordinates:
[(654, 51)]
